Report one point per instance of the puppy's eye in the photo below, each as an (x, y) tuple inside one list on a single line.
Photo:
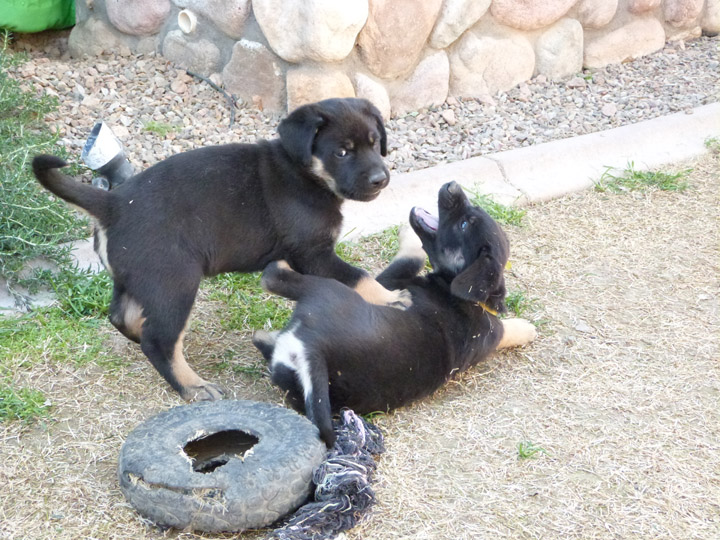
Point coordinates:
[(341, 153), (464, 224)]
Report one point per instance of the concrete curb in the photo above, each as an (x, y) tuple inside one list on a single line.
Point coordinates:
[(542, 172)]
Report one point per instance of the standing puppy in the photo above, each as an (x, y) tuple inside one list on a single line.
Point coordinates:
[(340, 351), (235, 207)]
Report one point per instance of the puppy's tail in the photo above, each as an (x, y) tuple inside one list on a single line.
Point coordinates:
[(94, 201), (279, 278)]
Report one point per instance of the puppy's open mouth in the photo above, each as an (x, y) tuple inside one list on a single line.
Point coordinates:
[(425, 219)]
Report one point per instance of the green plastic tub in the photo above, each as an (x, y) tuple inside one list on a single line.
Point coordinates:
[(28, 16)]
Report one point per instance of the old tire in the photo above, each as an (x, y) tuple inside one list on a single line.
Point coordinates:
[(230, 491)]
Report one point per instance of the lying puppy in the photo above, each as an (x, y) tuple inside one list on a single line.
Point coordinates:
[(339, 351), (235, 207)]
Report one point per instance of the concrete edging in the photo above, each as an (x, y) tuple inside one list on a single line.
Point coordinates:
[(541, 172)]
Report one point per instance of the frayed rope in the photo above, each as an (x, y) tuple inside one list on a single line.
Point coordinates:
[(343, 493)]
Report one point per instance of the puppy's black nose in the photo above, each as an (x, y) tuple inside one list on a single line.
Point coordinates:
[(453, 187), (378, 179)]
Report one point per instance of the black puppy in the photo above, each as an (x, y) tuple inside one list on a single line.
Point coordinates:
[(339, 351), (235, 207)]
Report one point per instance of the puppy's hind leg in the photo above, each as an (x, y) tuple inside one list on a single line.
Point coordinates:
[(279, 278), (516, 332), (162, 342), (126, 314)]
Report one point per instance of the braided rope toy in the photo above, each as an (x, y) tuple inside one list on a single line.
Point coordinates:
[(343, 493)]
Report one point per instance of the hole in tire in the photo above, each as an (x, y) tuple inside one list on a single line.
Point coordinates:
[(213, 451)]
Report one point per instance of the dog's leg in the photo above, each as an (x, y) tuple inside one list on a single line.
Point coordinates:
[(126, 314), (516, 332), (373, 292), (162, 341)]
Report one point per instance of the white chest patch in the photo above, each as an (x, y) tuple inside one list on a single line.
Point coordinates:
[(290, 352)]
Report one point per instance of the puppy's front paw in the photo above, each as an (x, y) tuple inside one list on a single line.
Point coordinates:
[(402, 301), (517, 332), (202, 392)]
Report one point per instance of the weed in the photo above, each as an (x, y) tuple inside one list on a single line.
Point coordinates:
[(373, 415), (160, 128), (633, 180), (519, 304), (713, 144), (527, 449), (248, 306), (22, 404), (32, 222), (505, 215), (80, 293)]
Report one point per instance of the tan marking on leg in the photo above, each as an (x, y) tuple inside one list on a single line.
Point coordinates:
[(133, 316), (184, 374), (195, 388), (283, 265), (374, 293), (516, 332)]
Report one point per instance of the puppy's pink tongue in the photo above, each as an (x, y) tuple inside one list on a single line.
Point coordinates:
[(429, 220)]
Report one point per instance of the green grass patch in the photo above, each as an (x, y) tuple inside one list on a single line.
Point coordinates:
[(160, 128), (375, 250), (32, 222), (505, 215), (519, 304), (384, 245), (633, 180), (50, 335), (22, 403), (228, 362), (248, 306), (527, 450), (80, 293)]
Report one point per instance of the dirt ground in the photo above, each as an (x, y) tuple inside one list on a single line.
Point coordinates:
[(621, 390)]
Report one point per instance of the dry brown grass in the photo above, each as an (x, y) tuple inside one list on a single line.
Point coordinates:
[(622, 389)]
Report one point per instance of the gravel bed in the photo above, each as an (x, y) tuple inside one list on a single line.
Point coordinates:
[(135, 93)]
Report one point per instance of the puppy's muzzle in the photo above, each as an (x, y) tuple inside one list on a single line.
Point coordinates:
[(451, 195), (379, 179)]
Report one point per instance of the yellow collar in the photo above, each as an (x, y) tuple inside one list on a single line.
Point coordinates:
[(487, 308)]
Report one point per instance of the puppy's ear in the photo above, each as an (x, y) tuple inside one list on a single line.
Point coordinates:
[(298, 130), (482, 281), (373, 111)]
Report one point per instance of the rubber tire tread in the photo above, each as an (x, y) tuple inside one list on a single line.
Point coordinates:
[(273, 479)]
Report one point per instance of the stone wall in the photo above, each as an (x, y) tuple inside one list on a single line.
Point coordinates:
[(403, 55)]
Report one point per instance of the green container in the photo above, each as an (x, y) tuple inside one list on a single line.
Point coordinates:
[(28, 16)]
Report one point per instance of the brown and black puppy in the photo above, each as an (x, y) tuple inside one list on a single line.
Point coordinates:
[(340, 351), (235, 207)]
